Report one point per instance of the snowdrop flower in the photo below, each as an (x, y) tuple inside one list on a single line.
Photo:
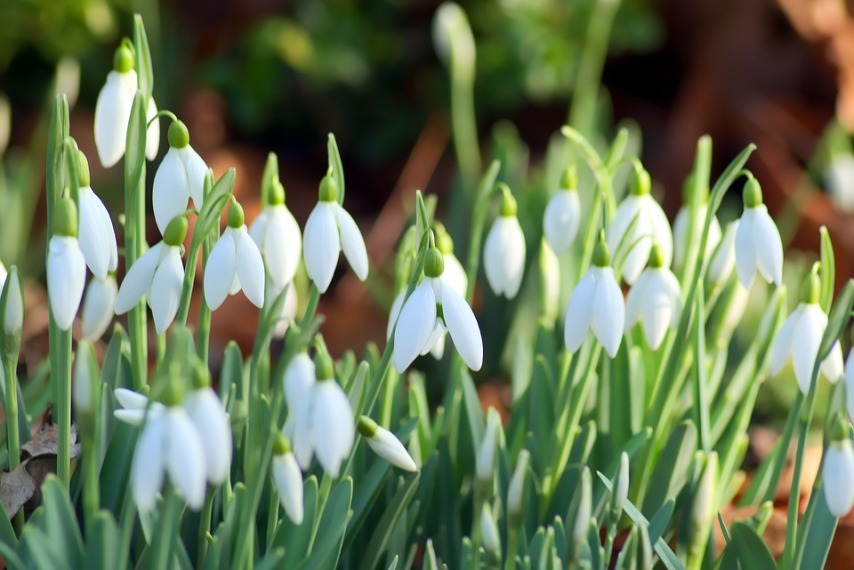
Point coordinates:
[(157, 275), (723, 259), (385, 444), (800, 336), (487, 450), (838, 475), (757, 241), (66, 267), (682, 221), (331, 422), (640, 212), (849, 382), (13, 316), (99, 306), (96, 234), (85, 378), (655, 300), (839, 179), (329, 230), (454, 274), (277, 235), (134, 407), (596, 304), (180, 176), (419, 323), (298, 382), (563, 213), (113, 107), (209, 417), (234, 264), (504, 250), (288, 479)]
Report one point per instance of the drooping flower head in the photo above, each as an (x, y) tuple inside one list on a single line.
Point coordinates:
[(287, 478), (329, 230), (838, 471), (66, 267), (99, 306), (234, 264), (208, 414), (563, 213), (97, 236), (180, 176), (655, 300), (504, 249), (638, 223), (277, 235), (683, 220), (331, 422), (757, 241), (385, 444)]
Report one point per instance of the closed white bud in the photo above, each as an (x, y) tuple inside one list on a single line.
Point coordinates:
[(13, 319), (85, 377), (486, 452), (516, 490), (385, 444), (489, 531), (838, 477), (99, 306)]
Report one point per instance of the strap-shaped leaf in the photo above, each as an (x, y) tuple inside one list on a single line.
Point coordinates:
[(142, 53)]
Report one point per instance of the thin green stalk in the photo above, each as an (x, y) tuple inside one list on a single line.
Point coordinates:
[(478, 221), (203, 325), (128, 520), (167, 533), (512, 548), (91, 491), (62, 393), (13, 439), (205, 528)]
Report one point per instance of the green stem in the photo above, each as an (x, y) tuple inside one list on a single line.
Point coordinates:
[(91, 492), (13, 439), (512, 548), (464, 124), (479, 214), (134, 248), (203, 325), (62, 393), (205, 528)]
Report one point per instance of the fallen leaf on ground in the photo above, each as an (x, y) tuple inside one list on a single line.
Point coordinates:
[(16, 488)]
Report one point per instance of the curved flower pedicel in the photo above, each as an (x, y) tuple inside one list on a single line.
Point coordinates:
[(287, 478), (655, 300), (329, 230), (563, 213), (234, 264), (66, 267), (596, 304), (277, 235), (157, 275), (504, 250), (97, 236), (638, 223), (757, 241), (180, 176), (419, 321)]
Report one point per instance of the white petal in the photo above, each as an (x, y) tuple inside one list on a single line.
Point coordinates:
[(332, 426), (636, 299), (639, 239), (463, 328), (849, 382), (185, 458), (258, 229), (321, 244), (504, 256), (660, 227), (396, 306), (112, 113), (353, 244), (437, 336), (130, 400), (806, 338), (196, 171), (579, 312), (387, 446), (166, 290), (250, 267), (454, 274), (298, 380), (171, 190), (680, 234), (95, 232), (288, 479), (438, 349), (415, 324), (723, 258), (769, 247), (659, 308), (626, 212), (745, 249), (66, 278), (220, 270), (561, 220), (137, 281), (99, 307), (152, 138), (289, 307), (149, 458), (838, 477), (609, 310), (207, 414), (303, 437), (135, 417), (832, 366), (281, 246)]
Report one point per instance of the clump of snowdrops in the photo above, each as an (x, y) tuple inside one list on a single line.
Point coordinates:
[(627, 427)]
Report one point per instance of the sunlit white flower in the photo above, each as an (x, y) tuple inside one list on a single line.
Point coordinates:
[(504, 250), (169, 443), (329, 230), (838, 477), (723, 259), (563, 214), (234, 264), (97, 236), (99, 305), (849, 382), (298, 382), (839, 179), (799, 339), (66, 268), (454, 274), (655, 300), (158, 275), (277, 235), (288, 480), (180, 176), (596, 304), (331, 422), (134, 407), (680, 232), (487, 450), (207, 413), (13, 317), (640, 212), (757, 241), (419, 324), (385, 444)]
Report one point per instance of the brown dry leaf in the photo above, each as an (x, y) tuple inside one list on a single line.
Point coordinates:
[(44, 442), (16, 488)]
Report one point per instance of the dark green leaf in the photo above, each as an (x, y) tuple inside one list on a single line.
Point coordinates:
[(751, 549), (390, 519)]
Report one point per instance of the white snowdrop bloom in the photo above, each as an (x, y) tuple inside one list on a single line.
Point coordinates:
[(757, 241), (99, 306), (234, 264), (655, 299), (419, 323), (180, 176), (66, 267), (640, 212), (13, 318), (849, 382), (298, 381), (839, 179), (288, 480), (799, 339), (277, 235), (97, 236), (454, 273), (563, 214), (331, 422), (723, 259), (329, 230), (838, 477), (84, 379), (596, 304), (169, 443), (157, 275), (504, 250), (134, 407), (385, 444), (152, 137), (487, 450), (211, 420), (680, 233)]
